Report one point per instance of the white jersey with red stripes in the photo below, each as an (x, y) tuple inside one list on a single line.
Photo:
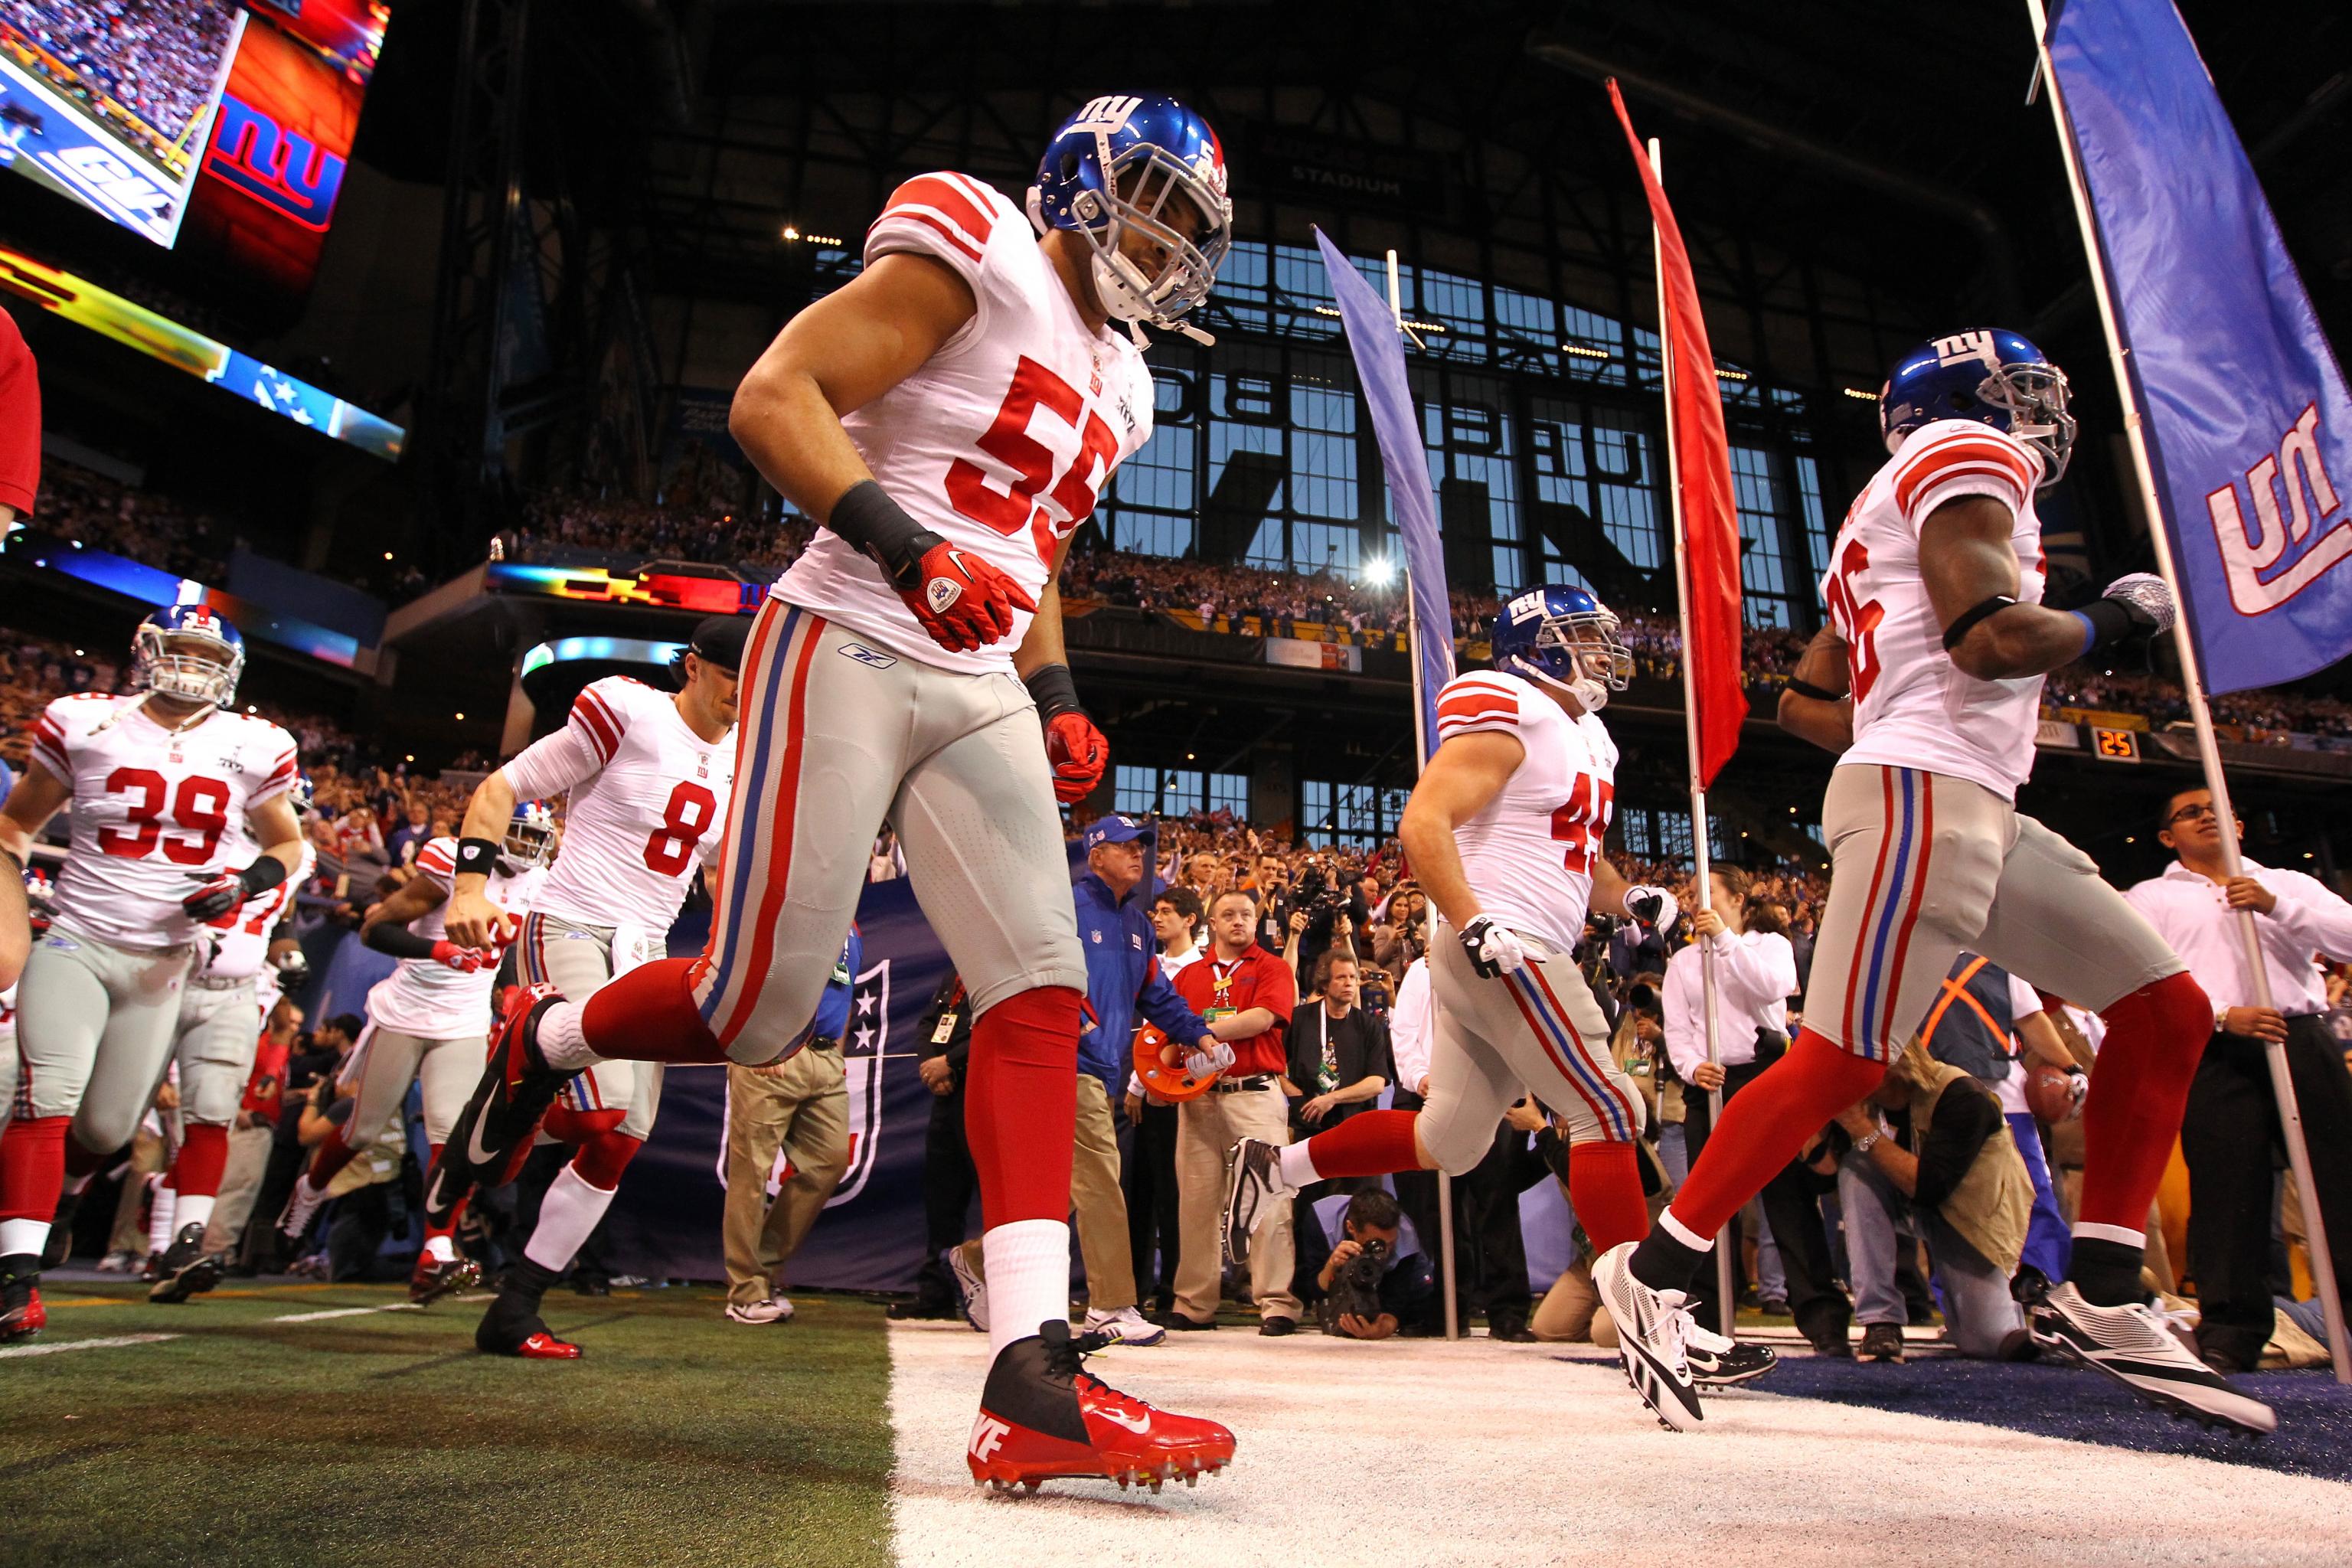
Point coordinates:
[(431, 1000), (1002, 441), (236, 946), (1529, 854), (154, 809), (648, 803), (1912, 707)]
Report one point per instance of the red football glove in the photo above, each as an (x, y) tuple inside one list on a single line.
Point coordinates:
[(218, 895), (961, 601), (464, 960), (1078, 751)]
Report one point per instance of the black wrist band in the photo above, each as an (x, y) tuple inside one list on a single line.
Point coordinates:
[(2111, 622), (1055, 691), (1966, 621), (869, 520), (477, 856), (1818, 693), (262, 874)]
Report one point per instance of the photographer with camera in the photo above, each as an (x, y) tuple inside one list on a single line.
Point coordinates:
[(1369, 1288), (1323, 919)]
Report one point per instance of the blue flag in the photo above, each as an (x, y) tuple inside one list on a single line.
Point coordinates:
[(2247, 418), (1373, 339)]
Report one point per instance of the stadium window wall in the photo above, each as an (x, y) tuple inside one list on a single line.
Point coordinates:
[(1177, 792), (1335, 816)]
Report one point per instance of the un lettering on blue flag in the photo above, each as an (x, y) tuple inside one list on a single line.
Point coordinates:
[(2245, 407)]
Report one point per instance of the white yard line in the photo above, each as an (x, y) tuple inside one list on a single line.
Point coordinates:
[(346, 1312), (1471, 1455), (61, 1346)]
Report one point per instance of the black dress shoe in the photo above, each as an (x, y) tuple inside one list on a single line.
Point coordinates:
[(1839, 1349), (1182, 1324), (1510, 1329), (921, 1312), (1277, 1328)]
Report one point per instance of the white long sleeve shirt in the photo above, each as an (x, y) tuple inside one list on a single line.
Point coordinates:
[(2192, 913), (1755, 974), (1410, 1020)]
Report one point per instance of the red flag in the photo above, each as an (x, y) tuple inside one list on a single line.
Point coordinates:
[(1710, 541)]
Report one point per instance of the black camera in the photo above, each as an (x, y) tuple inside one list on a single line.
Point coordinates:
[(1315, 894), (1356, 1286)]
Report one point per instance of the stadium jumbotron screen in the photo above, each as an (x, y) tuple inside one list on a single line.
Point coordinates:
[(218, 130)]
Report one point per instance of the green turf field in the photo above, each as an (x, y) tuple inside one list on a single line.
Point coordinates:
[(385, 1438)]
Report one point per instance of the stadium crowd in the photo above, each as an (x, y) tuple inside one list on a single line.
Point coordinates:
[(157, 59)]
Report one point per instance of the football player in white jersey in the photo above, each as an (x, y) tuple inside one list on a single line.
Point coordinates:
[(1504, 829), (156, 782), (428, 1024), (1927, 682), (214, 1042), (950, 417), (649, 775)]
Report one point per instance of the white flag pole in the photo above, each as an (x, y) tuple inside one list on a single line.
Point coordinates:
[(1727, 1312), (1421, 755), (2201, 715)]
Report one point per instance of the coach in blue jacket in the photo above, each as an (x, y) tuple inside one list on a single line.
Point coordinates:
[(1123, 979)]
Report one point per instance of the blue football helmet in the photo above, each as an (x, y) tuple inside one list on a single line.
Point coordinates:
[(1565, 638), (304, 795), (531, 834), (188, 651), (1134, 162), (1990, 376)]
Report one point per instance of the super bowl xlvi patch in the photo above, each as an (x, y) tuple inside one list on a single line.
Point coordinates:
[(64, 944), (939, 592), (870, 657)]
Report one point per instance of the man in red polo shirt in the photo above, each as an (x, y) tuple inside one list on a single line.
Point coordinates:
[(1245, 994)]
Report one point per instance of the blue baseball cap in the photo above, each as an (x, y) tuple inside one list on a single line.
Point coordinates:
[(1114, 830)]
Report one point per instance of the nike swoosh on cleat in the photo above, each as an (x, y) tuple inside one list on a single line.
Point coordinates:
[(474, 1150), (1140, 1428)]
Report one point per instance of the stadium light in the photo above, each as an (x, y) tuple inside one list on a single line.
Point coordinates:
[(1859, 392), (1379, 572)]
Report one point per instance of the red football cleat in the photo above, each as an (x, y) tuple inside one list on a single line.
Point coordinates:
[(21, 1313), (547, 1347), (1042, 1417), (36, 1317)]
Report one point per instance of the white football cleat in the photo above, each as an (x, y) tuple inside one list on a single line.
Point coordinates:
[(1125, 1327), (2131, 1345), (1253, 1184), (974, 1288), (1651, 1326)]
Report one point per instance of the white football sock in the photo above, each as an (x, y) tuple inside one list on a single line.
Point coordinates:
[(1683, 1234), (2122, 1235), (1028, 1278), (560, 1043), (161, 1205), (195, 1208), (1299, 1167), (566, 1215), (23, 1236), (440, 1248)]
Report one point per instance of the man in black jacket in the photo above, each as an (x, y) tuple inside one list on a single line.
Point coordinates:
[(949, 1179)]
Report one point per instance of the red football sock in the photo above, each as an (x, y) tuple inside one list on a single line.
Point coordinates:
[(82, 1162), (604, 1158), (1020, 1104), (649, 1014), (2155, 1039), (1604, 1187), (332, 1155), (204, 1155), (33, 1167), (1765, 1126), (1369, 1144)]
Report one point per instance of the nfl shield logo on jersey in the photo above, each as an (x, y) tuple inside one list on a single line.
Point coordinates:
[(862, 1048)]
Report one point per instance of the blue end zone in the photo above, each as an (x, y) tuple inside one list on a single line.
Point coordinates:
[(2314, 1437)]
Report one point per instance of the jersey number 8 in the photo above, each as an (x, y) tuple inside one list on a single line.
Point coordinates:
[(684, 820)]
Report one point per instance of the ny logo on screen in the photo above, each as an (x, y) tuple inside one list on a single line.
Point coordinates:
[(2248, 551), (280, 169)]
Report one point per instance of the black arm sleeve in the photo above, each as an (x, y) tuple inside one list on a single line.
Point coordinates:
[(398, 941), (1965, 1116)]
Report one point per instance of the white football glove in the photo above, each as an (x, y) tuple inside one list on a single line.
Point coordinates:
[(1202, 1064), (1654, 907), (1495, 951), (2149, 599)]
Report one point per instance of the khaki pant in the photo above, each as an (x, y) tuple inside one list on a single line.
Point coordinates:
[(1100, 1204), (1571, 1312), (1205, 1129), (801, 1108), (149, 1156), (248, 1161)]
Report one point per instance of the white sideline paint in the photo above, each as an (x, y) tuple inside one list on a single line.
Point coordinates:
[(64, 1345), (1475, 1454), (346, 1312)]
